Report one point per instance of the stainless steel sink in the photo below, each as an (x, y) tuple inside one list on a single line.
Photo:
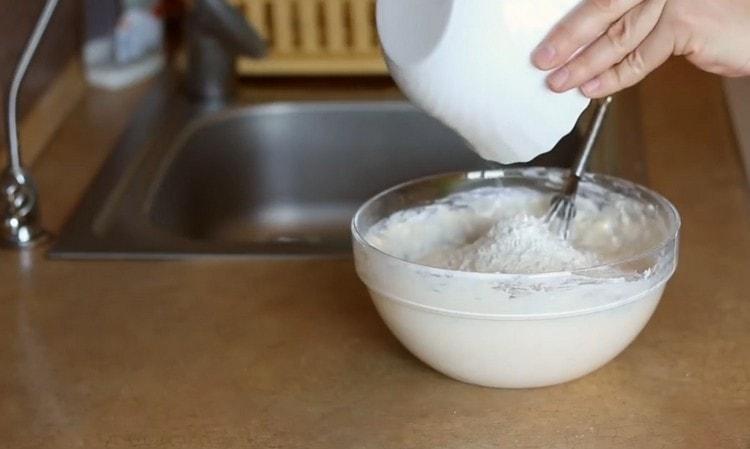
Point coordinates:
[(287, 178), (263, 179)]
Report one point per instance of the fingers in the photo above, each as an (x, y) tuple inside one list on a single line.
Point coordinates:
[(581, 27), (652, 53), (621, 38)]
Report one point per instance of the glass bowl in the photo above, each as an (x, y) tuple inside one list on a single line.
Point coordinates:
[(514, 330)]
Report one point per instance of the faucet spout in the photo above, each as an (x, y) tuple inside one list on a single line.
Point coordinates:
[(216, 35)]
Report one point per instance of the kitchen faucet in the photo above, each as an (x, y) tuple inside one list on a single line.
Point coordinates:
[(19, 205), (216, 33)]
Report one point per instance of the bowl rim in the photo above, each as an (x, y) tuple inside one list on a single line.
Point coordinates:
[(673, 233)]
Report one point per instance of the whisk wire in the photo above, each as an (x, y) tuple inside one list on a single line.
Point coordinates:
[(562, 209)]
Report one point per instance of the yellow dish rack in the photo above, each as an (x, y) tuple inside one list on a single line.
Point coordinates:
[(314, 37)]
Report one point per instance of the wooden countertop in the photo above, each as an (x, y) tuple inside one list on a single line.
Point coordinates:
[(254, 354)]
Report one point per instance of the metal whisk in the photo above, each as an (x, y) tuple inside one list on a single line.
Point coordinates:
[(563, 208)]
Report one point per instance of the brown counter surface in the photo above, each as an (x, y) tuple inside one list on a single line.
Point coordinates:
[(291, 354)]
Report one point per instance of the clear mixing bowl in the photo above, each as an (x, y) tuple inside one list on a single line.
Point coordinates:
[(514, 330)]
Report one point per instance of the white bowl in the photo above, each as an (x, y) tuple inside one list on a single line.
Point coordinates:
[(468, 63), (513, 331)]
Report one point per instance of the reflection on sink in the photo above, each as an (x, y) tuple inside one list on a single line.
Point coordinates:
[(293, 174), (268, 179)]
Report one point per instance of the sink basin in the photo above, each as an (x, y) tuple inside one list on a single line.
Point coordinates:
[(289, 177), (265, 179)]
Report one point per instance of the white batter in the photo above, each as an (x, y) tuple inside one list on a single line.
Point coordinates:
[(501, 230)]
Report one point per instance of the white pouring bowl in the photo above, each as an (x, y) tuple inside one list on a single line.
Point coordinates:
[(468, 63), (513, 331)]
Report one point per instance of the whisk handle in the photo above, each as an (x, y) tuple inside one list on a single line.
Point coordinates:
[(593, 133)]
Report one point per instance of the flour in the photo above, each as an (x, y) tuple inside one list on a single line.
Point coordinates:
[(501, 230), (522, 244)]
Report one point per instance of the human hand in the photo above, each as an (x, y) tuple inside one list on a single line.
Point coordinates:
[(604, 46)]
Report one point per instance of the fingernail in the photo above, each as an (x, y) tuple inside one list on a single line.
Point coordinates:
[(544, 56), (590, 87), (557, 79)]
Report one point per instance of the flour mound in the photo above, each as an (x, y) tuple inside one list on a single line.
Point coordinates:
[(522, 244)]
